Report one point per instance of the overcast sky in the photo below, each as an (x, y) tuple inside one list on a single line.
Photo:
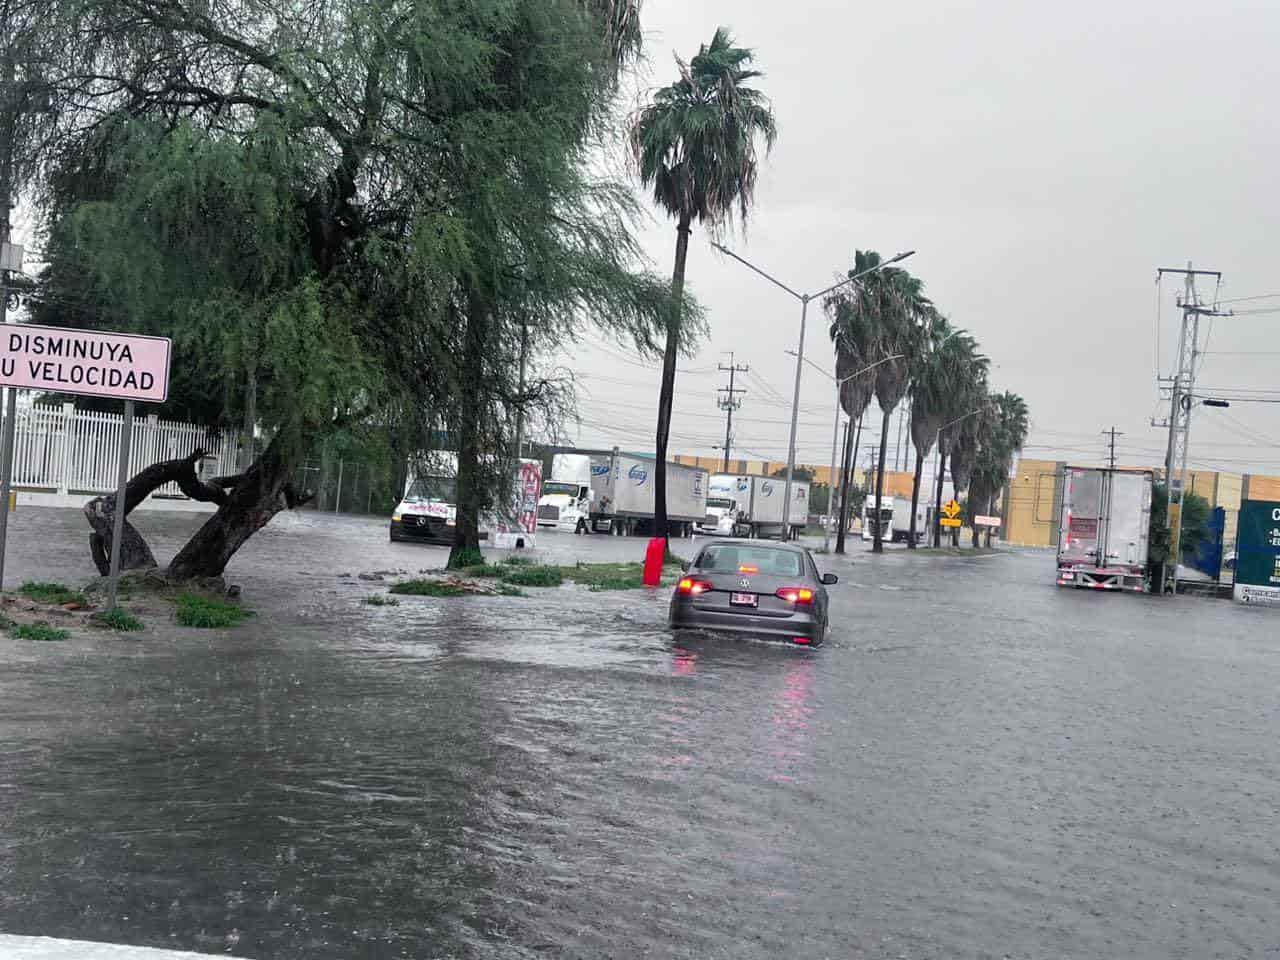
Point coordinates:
[(1042, 161)]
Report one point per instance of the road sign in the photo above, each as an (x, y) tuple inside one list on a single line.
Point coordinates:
[(116, 365), (951, 522), (1258, 553), (986, 521), (951, 509)]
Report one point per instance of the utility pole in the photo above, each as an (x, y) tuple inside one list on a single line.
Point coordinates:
[(1113, 434), (1181, 402), (8, 128), (730, 402)]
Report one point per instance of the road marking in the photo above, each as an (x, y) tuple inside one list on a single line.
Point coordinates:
[(48, 948)]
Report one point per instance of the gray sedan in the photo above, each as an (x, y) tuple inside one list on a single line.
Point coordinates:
[(750, 586)]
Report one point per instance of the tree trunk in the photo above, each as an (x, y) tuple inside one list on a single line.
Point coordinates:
[(846, 465), (249, 502), (915, 498), (135, 554), (937, 505), (470, 485), (666, 393), (877, 544)]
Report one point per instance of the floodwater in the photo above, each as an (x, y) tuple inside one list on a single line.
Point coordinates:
[(977, 764)]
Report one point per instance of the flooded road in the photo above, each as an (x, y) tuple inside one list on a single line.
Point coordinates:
[(976, 764)]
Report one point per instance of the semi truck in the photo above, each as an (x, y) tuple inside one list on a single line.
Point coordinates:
[(613, 492), (757, 505), (895, 519), (1104, 529)]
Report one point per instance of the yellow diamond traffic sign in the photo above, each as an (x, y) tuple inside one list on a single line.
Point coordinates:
[(952, 510)]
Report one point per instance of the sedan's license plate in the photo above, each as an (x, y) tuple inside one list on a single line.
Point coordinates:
[(743, 599)]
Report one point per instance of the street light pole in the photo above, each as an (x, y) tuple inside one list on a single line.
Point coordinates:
[(804, 299)]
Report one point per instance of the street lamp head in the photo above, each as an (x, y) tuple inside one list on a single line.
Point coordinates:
[(901, 256), (1217, 403)]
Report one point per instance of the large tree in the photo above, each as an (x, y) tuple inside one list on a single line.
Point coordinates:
[(1003, 431), (695, 146), (341, 211)]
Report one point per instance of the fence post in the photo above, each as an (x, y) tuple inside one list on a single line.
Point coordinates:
[(66, 457), (150, 448)]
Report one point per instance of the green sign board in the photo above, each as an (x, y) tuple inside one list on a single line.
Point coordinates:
[(1258, 553)]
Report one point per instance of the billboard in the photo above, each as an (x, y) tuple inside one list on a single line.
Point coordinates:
[(1258, 553)]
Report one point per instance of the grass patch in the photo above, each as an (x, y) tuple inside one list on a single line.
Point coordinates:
[(118, 619), (40, 632), (378, 600), (507, 590), (195, 610), (428, 588), (54, 593), (485, 570), (515, 560), (535, 576)]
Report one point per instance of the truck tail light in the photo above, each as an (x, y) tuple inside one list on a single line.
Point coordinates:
[(691, 587), (797, 595)]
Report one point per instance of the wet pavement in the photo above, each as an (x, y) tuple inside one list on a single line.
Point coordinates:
[(976, 764)]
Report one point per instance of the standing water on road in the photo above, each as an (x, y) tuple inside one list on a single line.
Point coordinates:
[(975, 764)]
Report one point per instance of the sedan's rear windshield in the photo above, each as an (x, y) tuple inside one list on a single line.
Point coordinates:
[(730, 558)]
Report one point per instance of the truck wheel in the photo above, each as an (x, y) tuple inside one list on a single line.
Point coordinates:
[(581, 528)]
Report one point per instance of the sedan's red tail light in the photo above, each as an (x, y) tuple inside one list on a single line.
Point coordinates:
[(796, 594), (690, 586)]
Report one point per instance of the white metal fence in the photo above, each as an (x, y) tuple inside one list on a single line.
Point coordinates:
[(65, 450)]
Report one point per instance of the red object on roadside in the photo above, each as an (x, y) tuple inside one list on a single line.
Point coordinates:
[(653, 557)]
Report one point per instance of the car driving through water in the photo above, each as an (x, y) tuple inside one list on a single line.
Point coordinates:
[(754, 587)]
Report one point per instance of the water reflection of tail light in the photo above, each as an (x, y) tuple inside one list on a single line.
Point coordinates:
[(690, 586), (796, 594)]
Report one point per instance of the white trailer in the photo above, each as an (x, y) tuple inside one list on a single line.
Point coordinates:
[(623, 495), (1104, 529), (758, 502), (895, 519)]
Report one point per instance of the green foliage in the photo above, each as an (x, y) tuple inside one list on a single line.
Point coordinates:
[(378, 600), (118, 619), (515, 560), (485, 570), (197, 610), (535, 576), (40, 632), (429, 588), (507, 590), (1196, 514), (467, 559), (51, 593)]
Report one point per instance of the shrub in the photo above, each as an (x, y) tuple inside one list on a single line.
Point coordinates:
[(378, 600), (118, 619), (195, 610), (40, 631), (54, 593), (515, 560), (485, 570)]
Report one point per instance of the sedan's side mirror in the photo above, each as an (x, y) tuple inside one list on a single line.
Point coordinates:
[(830, 578)]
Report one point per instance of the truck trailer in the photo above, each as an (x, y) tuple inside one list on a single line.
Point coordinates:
[(757, 505), (622, 497), (1104, 529)]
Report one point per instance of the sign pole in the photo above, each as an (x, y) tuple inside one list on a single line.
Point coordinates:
[(126, 439), (6, 467)]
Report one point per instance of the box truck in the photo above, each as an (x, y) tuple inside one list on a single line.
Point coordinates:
[(428, 510), (895, 518), (566, 498), (1104, 529)]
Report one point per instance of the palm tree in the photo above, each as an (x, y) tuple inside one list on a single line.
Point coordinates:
[(853, 334), (901, 313), (695, 146), (956, 437), (940, 381), (1003, 434)]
